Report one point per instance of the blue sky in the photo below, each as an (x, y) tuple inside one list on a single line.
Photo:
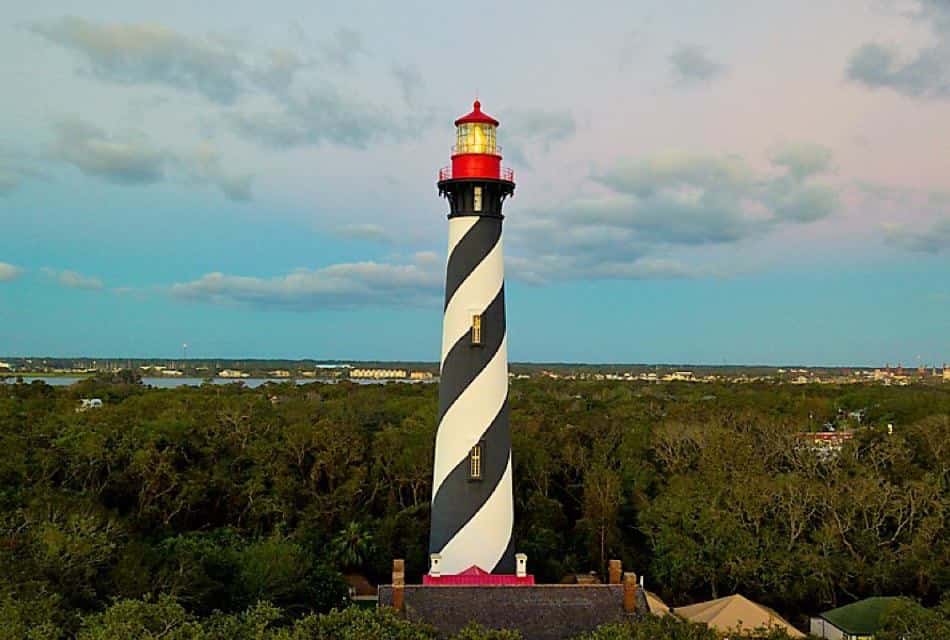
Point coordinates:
[(696, 183)]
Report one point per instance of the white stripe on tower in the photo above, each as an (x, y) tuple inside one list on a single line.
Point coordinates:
[(467, 419), (470, 543), (473, 296), (472, 521)]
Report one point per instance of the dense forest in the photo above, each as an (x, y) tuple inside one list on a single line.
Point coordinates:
[(225, 505)]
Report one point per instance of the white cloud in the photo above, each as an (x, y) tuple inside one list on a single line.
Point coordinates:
[(336, 286), (9, 272), (667, 202), (131, 158), (151, 54), (226, 70), (924, 74), (203, 166), (535, 130), (364, 231), (654, 205), (321, 116), (410, 82), (935, 239), (12, 176), (691, 65), (74, 279), (343, 48), (802, 159)]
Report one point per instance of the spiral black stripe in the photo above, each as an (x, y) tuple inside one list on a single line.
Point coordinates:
[(458, 499), (464, 361), (506, 564), (469, 252)]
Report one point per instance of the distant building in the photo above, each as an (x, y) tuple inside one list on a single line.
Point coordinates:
[(6, 365), (946, 374), (656, 605), (420, 375), (825, 444), (233, 373), (174, 373), (679, 376), (378, 374), (280, 373), (89, 403), (856, 621), (736, 613), (361, 589)]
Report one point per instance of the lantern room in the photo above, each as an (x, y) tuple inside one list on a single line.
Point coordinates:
[(476, 153), (475, 133)]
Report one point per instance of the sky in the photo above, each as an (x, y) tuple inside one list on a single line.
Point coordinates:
[(733, 182)]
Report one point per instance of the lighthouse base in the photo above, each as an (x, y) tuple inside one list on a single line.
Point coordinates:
[(539, 612), (476, 576)]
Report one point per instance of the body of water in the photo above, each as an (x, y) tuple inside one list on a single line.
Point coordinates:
[(172, 383)]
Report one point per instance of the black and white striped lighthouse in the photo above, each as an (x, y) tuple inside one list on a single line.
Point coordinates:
[(472, 502)]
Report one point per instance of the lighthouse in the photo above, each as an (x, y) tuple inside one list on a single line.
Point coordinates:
[(472, 500)]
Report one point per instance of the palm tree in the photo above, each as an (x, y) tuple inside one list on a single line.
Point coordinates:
[(352, 546)]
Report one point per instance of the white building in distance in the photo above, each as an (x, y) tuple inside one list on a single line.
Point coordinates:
[(233, 373), (378, 374)]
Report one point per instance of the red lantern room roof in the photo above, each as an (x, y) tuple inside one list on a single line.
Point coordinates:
[(477, 115)]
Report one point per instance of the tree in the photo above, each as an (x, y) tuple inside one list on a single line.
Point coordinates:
[(352, 546), (150, 619), (908, 620), (652, 628)]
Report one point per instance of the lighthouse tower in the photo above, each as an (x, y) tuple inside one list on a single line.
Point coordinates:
[(472, 503)]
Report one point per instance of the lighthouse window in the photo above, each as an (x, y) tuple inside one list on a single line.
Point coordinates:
[(475, 138), (476, 329), (475, 462), (478, 199)]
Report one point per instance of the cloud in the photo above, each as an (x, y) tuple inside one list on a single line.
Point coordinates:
[(13, 175), (127, 160), (276, 73), (342, 48), (323, 116), (535, 130), (542, 269), (925, 74), (803, 160), (10, 180), (9, 272), (364, 231), (151, 54), (541, 126), (131, 159), (691, 65), (74, 280), (631, 43), (652, 206), (203, 166), (936, 239), (223, 71), (337, 286), (219, 69), (666, 202), (410, 82)]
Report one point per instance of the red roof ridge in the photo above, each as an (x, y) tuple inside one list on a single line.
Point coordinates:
[(474, 570)]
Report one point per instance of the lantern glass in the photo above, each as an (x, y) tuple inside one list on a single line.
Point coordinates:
[(476, 137)]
